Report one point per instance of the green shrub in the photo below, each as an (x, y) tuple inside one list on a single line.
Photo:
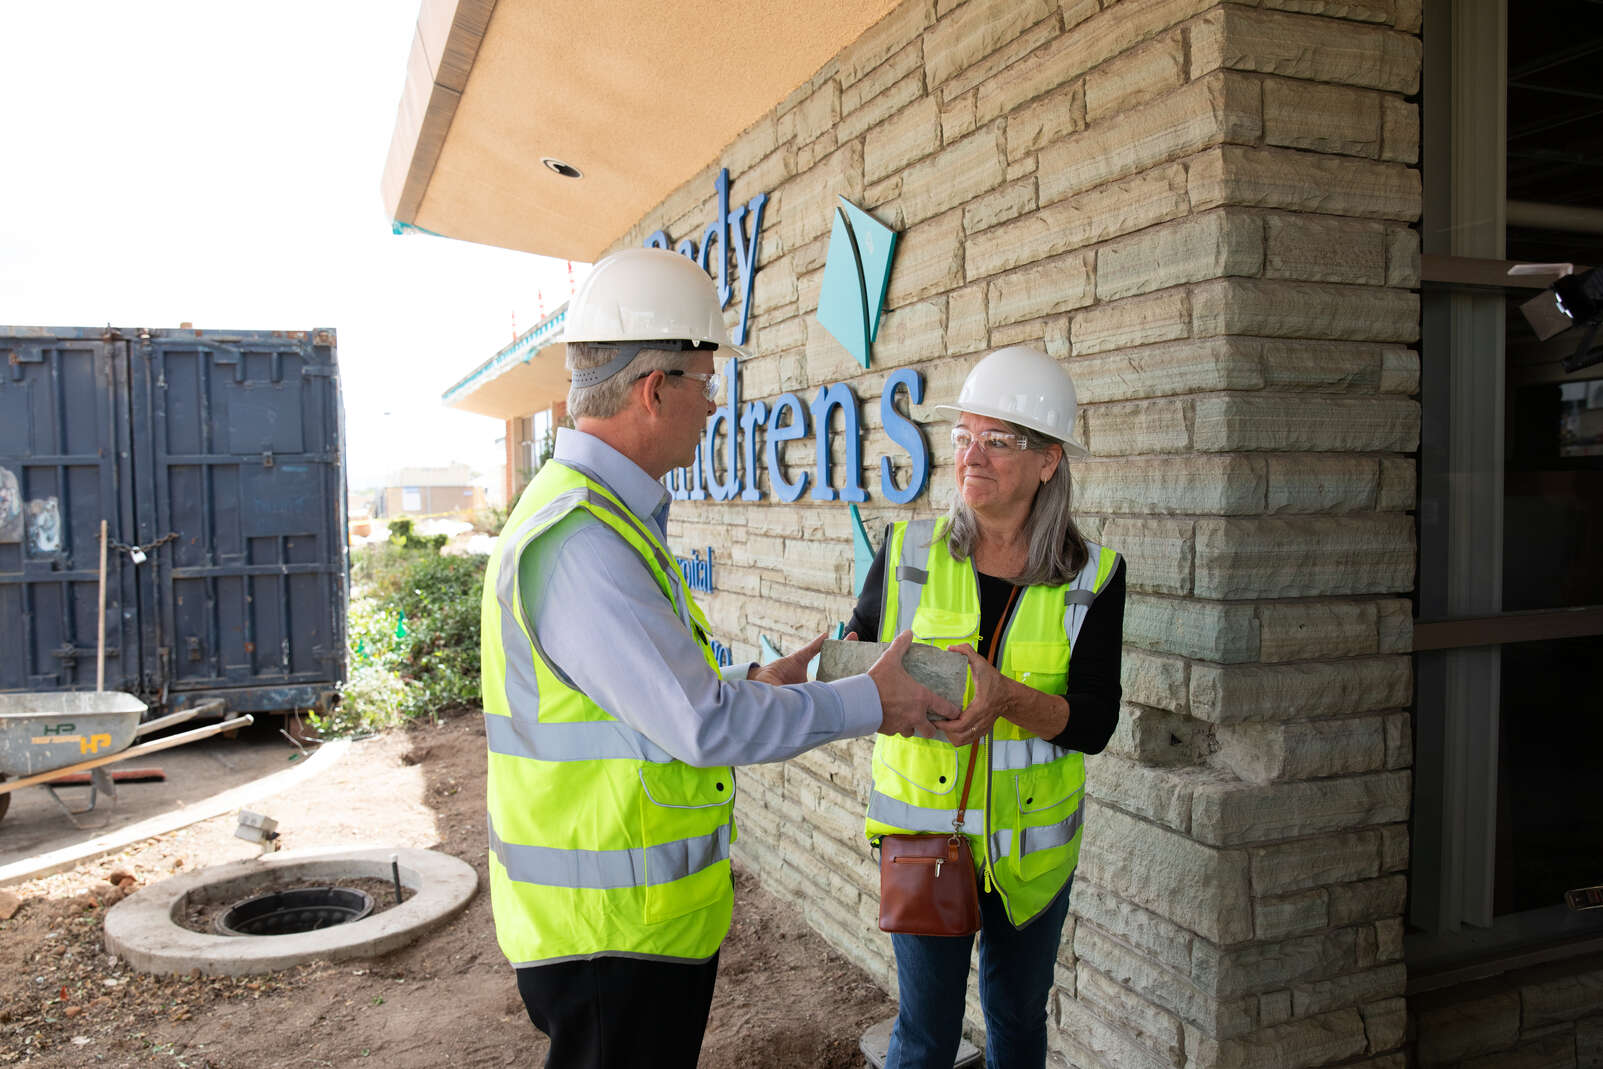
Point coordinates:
[(413, 636)]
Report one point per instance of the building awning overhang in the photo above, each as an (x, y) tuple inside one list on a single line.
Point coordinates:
[(528, 376), (638, 95)]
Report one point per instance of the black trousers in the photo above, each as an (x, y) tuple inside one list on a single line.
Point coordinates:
[(620, 1013)]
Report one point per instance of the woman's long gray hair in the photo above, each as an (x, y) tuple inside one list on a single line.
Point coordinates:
[(1057, 549)]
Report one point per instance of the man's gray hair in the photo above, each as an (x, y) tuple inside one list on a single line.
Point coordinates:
[(606, 398), (1057, 549)]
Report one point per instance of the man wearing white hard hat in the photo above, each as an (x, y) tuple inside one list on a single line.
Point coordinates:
[(611, 728), (1007, 579)]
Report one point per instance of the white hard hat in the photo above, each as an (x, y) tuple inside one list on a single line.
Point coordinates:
[(1024, 386), (647, 294)]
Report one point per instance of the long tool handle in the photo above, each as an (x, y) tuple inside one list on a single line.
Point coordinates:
[(100, 635), (168, 743)]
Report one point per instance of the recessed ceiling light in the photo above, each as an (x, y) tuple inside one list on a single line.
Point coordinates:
[(566, 170)]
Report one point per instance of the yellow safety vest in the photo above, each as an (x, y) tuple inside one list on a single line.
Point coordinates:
[(601, 842), (1030, 803)]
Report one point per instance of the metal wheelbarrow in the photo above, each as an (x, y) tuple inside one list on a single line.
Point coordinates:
[(48, 734)]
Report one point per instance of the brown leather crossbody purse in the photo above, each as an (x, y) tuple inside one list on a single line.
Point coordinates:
[(927, 884)]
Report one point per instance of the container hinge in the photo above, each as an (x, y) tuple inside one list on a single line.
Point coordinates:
[(267, 458)]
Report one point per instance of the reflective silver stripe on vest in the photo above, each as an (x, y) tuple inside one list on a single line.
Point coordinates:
[(590, 740), (1014, 755), (897, 814), (1042, 838), (913, 571), (522, 688), (607, 870), (1082, 592)]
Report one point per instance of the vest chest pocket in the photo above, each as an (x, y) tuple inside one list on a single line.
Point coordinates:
[(686, 825), (941, 628), (1042, 666)]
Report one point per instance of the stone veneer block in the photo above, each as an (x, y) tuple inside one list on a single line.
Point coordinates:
[(1158, 552), (1465, 1026), (1303, 556), (1301, 631), (1295, 914), (999, 206), (862, 89), (1154, 1028), (1318, 50), (1213, 631), (1251, 968), (1268, 753), (1173, 990), (1165, 942), (929, 260), (1234, 693), (1226, 814), (1399, 121), (1119, 208), (1141, 428), (1154, 680), (1399, 741), (1397, 484), (1400, 371), (1200, 888), (1395, 621), (904, 138), (1134, 78), (1280, 309), (819, 113), (1209, 245), (1559, 993), (1156, 317), (1103, 1042), (1174, 368), (1306, 422), (1156, 737), (958, 173), (944, 672), (1052, 286), (1367, 900), (1356, 10), (1320, 249), (1331, 1037), (1300, 864), (1045, 120), (1321, 118), (806, 203), (883, 40), (1385, 1023), (962, 38), (1219, 107), (1162, 795), (966, 328), (1187, 484), (1402, 257), (1302, 182)]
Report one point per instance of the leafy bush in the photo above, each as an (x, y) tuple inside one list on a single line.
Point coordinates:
[(413, 636)]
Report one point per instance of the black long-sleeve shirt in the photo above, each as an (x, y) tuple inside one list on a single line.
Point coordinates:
[(1093, 690)]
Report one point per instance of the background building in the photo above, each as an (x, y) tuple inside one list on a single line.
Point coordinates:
[(1361, 502)]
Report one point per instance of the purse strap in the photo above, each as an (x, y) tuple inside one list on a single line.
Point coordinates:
[(990, 657)]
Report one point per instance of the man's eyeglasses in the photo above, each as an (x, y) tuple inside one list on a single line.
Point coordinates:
[(710, 381), (993, 443)]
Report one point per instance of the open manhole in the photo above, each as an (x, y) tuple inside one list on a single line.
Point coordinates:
[(305, 901), (304, 909)]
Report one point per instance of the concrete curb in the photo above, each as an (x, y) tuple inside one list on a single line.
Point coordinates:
[(141, 928), (324, 758)]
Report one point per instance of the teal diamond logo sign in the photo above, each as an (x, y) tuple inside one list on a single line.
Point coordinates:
[(856, 275)]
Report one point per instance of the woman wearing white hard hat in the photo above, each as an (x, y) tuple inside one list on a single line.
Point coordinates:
[(1007, 579)]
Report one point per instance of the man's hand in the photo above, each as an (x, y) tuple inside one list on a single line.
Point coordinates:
[(906, 705), (791, 668)]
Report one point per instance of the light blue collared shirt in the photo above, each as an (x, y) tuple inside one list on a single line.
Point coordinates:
[(605, 627)]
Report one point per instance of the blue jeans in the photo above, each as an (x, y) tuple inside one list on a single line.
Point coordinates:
[(1016, 969)]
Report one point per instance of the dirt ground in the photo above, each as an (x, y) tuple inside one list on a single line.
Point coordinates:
[(783, 998)]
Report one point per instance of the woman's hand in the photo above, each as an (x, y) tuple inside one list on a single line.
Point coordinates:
[(791, 668), (991, 700)]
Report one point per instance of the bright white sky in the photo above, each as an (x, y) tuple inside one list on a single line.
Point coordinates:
[(219, 163)]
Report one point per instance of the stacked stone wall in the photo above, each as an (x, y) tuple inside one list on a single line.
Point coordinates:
[(1205, 211)]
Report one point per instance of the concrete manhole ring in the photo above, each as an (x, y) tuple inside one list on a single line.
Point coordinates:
[(144, 931)]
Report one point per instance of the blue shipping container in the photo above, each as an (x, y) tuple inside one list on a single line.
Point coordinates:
[(215, 459)]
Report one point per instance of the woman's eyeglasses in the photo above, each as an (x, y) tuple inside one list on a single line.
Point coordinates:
[(993, 443)]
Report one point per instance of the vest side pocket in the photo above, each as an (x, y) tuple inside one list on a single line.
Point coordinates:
[(1042, 666), (686, 820), (1047, 803)]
